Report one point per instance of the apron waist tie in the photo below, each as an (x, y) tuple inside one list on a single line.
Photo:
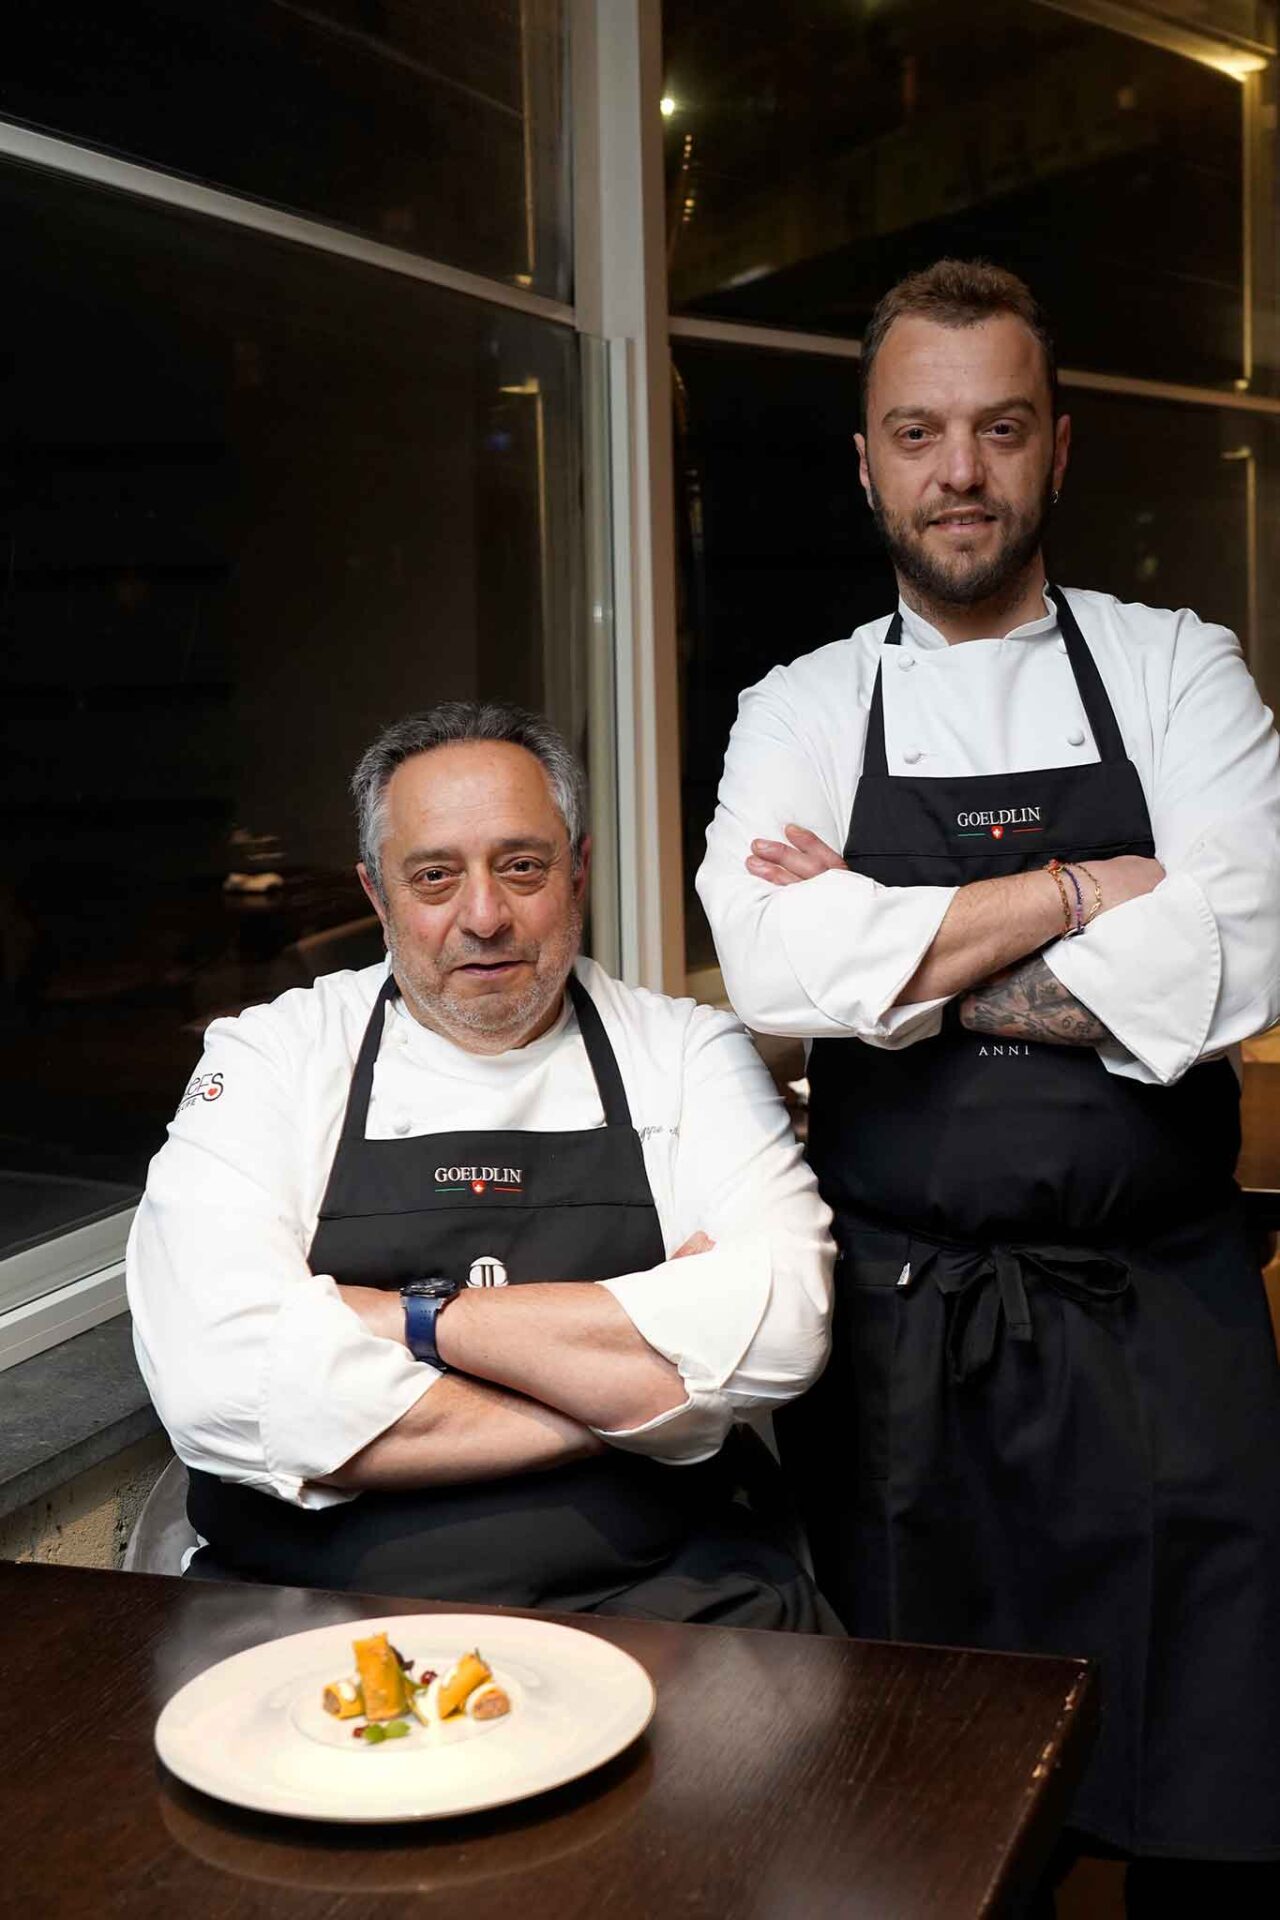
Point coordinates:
[(988, 1284)]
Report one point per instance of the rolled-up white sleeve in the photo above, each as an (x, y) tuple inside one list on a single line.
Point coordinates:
[(746, 1324), (822, 958), (259, 1372), (1194, 967)]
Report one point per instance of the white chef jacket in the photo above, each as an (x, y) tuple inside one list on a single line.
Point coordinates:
[(264, 1377), (1187, 970)]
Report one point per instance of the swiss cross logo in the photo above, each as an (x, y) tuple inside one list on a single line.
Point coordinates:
[(997, 833), (478, 1186)]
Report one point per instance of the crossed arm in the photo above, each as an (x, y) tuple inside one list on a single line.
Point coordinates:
[(544, 1364), (268, 1375), (988, 947), (1028, 1002)]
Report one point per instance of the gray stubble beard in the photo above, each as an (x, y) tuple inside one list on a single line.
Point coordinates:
[(449, 1016)]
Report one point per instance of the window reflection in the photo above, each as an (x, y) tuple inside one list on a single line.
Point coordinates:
[(255, 503), (435, 128), (816, 153)]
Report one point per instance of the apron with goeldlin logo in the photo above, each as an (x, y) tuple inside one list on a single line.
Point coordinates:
[(1052, 1418), (616, 1532)]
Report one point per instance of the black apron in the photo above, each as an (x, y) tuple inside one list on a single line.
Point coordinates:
[(618, 1532), (1065, 1427)]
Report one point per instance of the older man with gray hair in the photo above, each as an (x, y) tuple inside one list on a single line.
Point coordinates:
[(358, 1275)]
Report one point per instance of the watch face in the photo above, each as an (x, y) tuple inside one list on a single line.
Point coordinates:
[(432, 1288)]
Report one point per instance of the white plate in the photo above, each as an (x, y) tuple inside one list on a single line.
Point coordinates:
[(243, 1730)]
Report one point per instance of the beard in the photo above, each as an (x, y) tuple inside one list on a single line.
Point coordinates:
[(963, 580), (488, 1022)]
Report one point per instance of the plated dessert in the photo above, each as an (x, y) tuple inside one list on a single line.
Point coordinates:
[(273, 1727), (384, 1699)]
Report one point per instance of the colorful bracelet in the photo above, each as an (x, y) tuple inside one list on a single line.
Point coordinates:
[(1075, 888)]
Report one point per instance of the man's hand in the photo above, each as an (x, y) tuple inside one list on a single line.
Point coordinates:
[(1028, 1002), (1125, 877), (696, 1243), (804, 858)]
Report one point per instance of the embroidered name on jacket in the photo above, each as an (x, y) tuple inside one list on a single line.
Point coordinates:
[(997, 821), (479, 1179)]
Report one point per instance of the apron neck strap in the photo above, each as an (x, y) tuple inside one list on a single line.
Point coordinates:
[(600, 1055), (873, 754), (604, 1064), (355, 1118), (1093, 695)]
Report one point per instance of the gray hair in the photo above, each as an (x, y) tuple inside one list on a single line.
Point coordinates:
[(454, 723)]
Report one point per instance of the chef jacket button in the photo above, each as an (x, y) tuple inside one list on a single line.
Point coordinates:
[(1076, 737), (911, 755), (401, 1123), (905, 661)]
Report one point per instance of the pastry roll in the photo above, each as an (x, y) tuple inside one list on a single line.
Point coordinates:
[(461, 1680), (343, 1699), (381, 1678)]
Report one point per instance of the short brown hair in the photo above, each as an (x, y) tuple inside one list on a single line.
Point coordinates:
[(958, 293)]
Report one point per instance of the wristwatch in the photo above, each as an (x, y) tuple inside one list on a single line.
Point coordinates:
[(424, 1302)]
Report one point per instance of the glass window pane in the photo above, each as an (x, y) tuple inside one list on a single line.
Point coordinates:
[(435, 127), (817, 152), (254, 502), (1165, 504), (1156, 507), (777, 553)]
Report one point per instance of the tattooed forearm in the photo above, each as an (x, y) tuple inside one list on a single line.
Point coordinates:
[(1029, 1003)]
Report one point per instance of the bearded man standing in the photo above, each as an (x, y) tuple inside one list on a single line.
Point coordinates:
[(1010, 861)]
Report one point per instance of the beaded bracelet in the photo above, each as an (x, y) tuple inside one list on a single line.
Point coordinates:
[(1075, 888)]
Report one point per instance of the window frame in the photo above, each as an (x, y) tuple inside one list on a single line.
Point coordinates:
[(612, 129), (62, 1286)]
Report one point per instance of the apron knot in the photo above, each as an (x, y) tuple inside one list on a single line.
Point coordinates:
[(988, 1285)]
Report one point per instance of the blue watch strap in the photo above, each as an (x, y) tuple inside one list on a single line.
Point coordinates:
[(421, 1311)]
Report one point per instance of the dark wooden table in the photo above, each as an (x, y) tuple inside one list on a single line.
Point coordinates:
[(1259, 1169), (782, 1776)]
